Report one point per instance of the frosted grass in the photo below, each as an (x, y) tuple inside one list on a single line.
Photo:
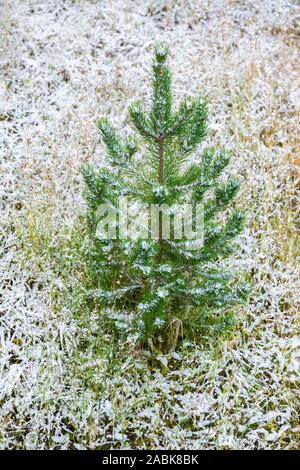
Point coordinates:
[(65, 63)]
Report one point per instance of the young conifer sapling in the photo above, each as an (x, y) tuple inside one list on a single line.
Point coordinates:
[(159, 287)]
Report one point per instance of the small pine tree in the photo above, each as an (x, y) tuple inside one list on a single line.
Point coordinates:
[(149, 288)]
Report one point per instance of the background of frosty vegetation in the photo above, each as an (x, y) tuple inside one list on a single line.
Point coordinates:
[(64, 384)]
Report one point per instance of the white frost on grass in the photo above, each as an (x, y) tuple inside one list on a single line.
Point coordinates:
[(64, 64)]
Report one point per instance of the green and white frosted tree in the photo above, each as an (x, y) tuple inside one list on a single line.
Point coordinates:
[(159, 288)]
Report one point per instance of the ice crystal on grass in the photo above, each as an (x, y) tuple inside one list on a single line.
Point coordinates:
[(62, 64)]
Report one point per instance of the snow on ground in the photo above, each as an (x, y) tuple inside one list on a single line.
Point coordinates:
[(64, 63)]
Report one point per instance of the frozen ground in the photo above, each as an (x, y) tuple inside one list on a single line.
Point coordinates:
[(62, 383)]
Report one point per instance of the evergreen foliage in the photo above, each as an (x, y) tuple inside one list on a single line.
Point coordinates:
[(157, 288)]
